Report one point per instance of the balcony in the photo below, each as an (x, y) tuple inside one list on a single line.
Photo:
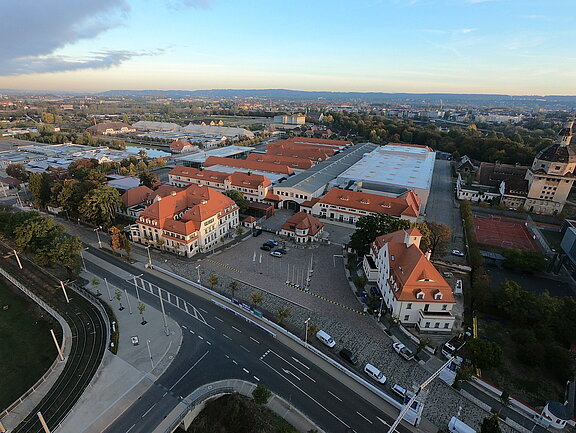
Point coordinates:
[(435, 321)]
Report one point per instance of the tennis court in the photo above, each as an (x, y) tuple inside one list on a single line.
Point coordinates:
[(504, 233)]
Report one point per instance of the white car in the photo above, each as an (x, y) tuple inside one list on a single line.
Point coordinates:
[(403, 351), (458, 253), (276, 254)]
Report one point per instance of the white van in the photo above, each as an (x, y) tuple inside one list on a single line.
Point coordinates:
[(325, 338), (457, 426), (374, 373)]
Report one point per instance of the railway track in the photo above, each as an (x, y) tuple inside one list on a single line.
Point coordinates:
[(88, 344)]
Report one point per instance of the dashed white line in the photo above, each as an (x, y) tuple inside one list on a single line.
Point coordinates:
[(200, 337), (225, 336), (164, 395), (234, 362), (183, 326), (227, 356), (254, 340), (134, 425), (258, 380), (382, 421), (244, 348), (151, 407), (208, 343), (236, 329), (218, 318), (335, 396), (191, 332), (245, 370), (203, 310), (300, 362), (364, 417)]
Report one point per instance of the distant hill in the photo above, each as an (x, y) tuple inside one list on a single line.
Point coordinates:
[(370, 97)]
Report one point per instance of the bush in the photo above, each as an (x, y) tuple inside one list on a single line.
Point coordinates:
[(261, 394)]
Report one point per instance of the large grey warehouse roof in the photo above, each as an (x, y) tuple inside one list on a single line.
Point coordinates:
[(318, 176)]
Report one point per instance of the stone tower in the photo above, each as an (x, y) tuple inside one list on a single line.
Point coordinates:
[(552, 174)]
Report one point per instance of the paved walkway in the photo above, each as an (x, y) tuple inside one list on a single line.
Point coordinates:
[(124, 377)]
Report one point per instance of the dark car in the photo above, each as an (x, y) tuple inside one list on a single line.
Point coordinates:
[(270, 244), (282, 250), (349, 356), (266, 247), (257, 232)]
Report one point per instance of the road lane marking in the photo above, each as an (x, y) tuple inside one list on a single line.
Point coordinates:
[(234, 362), (236, 329), (225, 336), (301, 363), (293, 366), (189, 370), (244, 348), (364, 417), (227, 356), (218, 318), (146, 413), (335, 396), (134, 425), (258, 380), (290, 373), (246, 370), (200, 337), (306, 394), (184, 326), (203, 310), (208, 343), (253, 339), (191, 332), (382, 421), (164, 395)]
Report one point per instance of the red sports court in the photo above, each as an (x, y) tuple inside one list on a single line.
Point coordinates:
[(504, 233)]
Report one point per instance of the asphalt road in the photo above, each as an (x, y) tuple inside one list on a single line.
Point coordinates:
[(219, 345), (88, 345)]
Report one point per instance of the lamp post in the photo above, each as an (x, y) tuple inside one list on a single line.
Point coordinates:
[(198, 269), (83, 261), (150, 353), (149, 256), (306, 334), (128, 300), (136, 285), (108, 288), (98, 236)]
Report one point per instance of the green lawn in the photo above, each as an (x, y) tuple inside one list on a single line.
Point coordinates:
[(27, 347)]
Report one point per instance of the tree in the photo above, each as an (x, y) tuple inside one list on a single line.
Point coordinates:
[(529, 261), (213, 280), (126, 246), (115, 238), (233, 286), (484, 354), (141, 309), (425, 232), (242, 203), (147, 178), (36, 233), (370, 227), (118, 297), (490, 424), (17, 171), (261, 394), (81, 168), (440, 236), (66, 251), (283, 313), (100, 204), (40, 188), (256, 298)]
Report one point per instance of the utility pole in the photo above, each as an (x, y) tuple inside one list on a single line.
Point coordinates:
[(306, 335), (128, 300), (149, 256), (64, 290), (43, 423), (98, 236), (83, 261), (108, 288), (60, 354), (150, 353), (163, 311), (198, 269)]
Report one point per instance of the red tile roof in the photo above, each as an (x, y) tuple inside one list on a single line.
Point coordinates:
[(408, 204), (137, 195), (250, 165), (238, 179), (179, 144), (302, 221), (281, 148), (324, 141), (296, 163)]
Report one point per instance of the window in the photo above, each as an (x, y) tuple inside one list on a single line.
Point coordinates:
[(427, 325), (445, 325), (409, 306), (436, 325), (420, 295), (406, 317), (444, 307)]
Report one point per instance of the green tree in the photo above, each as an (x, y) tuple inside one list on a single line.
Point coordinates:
[(212, 280), (484, 354), (529, 261), (17, 171), (370, 227), (66, 251), (490, 424), (233, 287), (242, 203), (440, 237), (99, 205), (283, 313), (36, 233), (261, 394), (147, 178), (126, 246), (256, 298), (141, 309), (39, 186)]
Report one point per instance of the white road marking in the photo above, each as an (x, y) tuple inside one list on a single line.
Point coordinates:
[(134, 425), (335, 396), (290, 373), (234, 362), (301, 363), (236, 329), (364, 417), (244, 348), (164, 395), (151, 407), (253, 339), (183, 326), (245, 370), (382, 421), (293, 366), (225, 336), (189, 370), (218, 318), (191, 332), (227, 356), (208, 343), (256, 378), (203, 310), (200, 337), (306, 394)]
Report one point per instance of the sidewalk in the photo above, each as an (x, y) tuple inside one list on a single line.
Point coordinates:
[(124, 377)]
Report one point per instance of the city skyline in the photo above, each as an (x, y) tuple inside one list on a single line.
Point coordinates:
[(415, 46)]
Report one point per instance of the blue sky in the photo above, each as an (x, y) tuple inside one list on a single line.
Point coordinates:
[(465, 46)]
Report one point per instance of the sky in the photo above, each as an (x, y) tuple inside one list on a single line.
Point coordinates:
[(517, 47)]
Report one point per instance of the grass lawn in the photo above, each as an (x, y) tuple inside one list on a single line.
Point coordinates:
[(235, 413), (27, 347), (532, 384), (553, 238)]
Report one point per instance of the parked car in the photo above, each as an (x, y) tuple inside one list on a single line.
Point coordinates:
[(272, 242), (257, 232), (374, 373), (457, 253), (349, 356), (399, 391), (403, 351), (276, 254), (325, 338), (266, 247), (282, 250)]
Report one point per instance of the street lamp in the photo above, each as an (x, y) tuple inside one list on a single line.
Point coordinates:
[(149, 256), (82, 257), (98, 236), (198, 269), (306, 335), (136, 285)]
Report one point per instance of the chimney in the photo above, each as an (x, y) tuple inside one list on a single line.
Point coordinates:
[(428, 254)]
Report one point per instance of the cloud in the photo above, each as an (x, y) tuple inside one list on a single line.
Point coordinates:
[(32, 31)]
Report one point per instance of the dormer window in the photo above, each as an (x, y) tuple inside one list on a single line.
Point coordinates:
[(392, 257), (420, 295), (438, 296), (344, 198), (365, 201)]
